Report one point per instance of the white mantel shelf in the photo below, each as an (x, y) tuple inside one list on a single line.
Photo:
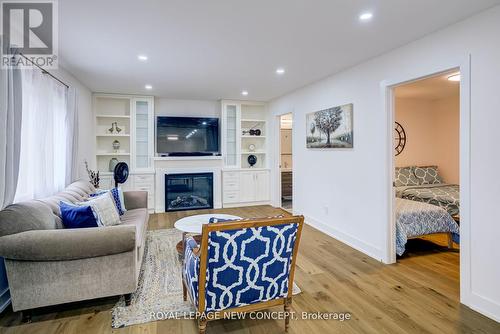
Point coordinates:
[(207, 157)]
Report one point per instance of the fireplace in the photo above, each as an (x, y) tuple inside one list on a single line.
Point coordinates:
[(189, 191)]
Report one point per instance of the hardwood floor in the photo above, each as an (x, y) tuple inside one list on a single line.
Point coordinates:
[(419, 294)]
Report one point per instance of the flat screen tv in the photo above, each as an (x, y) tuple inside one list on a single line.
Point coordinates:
[(187, 136)]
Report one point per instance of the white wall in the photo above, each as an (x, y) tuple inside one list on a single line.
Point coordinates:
[(345, 192), (86, 138), (187, 108)]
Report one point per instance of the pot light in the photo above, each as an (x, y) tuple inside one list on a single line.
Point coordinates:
[(244, 93), (454, 77), (366, 16), (280, 71), (148, 87), (142, 57)]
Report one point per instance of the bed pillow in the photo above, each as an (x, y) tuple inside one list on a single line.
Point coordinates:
[(405, 176), (117, 196), (428, 175), (77, 216), (105, 208)]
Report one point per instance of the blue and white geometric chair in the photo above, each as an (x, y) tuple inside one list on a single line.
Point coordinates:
[(242, 266)]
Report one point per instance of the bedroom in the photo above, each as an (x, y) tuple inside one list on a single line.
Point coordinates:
[(427, 145)]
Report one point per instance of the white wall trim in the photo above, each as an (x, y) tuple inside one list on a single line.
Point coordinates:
[(362, 246)]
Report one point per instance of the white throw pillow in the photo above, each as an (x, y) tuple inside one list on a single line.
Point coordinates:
[(105, 208)]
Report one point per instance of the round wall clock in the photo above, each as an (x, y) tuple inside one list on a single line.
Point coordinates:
[(399, 138)]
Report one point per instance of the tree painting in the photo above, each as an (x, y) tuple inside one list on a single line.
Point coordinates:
[(336, 125), (328, 121)]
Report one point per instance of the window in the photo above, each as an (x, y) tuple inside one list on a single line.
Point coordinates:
[(46, 136)]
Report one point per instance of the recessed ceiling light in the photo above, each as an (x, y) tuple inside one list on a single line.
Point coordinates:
[(280, 70), (366, 16), (142, 57), (244, 93), (148, 87), (454, 77)]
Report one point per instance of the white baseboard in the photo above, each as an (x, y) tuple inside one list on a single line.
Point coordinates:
[(484, 305), (349, 240)]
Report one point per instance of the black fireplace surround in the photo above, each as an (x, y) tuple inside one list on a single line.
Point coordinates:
[(189, 191)]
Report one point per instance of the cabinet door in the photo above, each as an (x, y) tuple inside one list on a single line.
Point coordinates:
[(142, 133), (286, 141), (230, 137), (262, 186), (247, 186)]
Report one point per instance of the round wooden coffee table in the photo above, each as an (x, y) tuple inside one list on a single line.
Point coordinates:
[(193, 225)]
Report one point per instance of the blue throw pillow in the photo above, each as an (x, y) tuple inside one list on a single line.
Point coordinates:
[(76, 216)]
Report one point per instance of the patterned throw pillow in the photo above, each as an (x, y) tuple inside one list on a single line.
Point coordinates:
[(117, 195), (428, 175), (105, 209), (405, 176)]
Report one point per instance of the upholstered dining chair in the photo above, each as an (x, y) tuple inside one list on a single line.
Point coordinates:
[(242, 266)]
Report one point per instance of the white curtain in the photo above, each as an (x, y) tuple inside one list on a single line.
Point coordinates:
[(10, 132), (47, 136)]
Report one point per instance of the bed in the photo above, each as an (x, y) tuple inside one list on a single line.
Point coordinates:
[(415, 219), (446, 196)]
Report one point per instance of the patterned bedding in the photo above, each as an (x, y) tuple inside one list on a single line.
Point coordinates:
[(446, 196), (414, 219)]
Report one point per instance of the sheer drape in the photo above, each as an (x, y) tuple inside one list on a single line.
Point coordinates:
[(10, 133), (47, 137)]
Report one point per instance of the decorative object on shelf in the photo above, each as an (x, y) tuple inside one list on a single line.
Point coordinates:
[(120, 173), (253, 131), (251, 147), (399, 139), (112, 164), (93, 175), (116, 145), (114, 128), (252, 160), (330, 128)]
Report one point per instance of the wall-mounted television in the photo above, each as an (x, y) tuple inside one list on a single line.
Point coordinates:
[(187, 136)]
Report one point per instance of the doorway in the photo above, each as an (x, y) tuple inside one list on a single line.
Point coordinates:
[(445, 143), (286, 167)]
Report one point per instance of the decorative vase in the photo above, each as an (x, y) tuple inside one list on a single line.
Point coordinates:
[(116, 145), (257, 132), (252, 160), (113, 128), (112, 164)]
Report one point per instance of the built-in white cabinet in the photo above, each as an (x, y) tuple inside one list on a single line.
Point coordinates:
[(243, 187), (124, 131)]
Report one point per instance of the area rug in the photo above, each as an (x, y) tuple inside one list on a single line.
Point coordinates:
[(160, 285)]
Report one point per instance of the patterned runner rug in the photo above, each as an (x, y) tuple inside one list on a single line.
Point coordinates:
[(160, 285)]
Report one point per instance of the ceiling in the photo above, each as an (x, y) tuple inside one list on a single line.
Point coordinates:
[(215, 49), (433, 88)]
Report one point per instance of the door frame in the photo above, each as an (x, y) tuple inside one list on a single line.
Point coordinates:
[(277, 162), (463, 64)]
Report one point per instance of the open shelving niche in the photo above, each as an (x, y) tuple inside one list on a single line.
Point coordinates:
[(253, 116), (109, 109)]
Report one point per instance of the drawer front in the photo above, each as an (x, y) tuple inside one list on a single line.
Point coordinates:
[(144, 179), (231, 185), (231, 177), (231, 196), (147, 188)]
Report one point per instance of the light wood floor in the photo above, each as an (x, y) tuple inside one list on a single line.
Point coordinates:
[(419, 294)]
